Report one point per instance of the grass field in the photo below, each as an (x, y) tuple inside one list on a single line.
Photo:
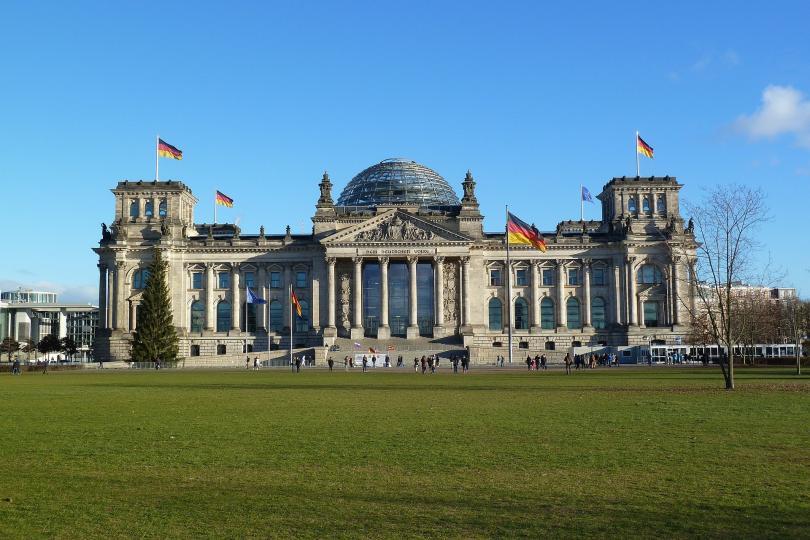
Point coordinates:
[(611, 452)]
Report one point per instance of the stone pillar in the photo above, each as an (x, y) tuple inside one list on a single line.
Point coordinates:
[(133, 317), (261, 309), (617, 291), (118, 296), (330, 291), (102, 296), (562, 318), (466, 296), (413, 324), (209, 297), (640, 304), (236, 308), (676, 292), (632, 299), (438, 288), (586, 276), (357, 288), (535, 327), (383, 330), (110, 287)]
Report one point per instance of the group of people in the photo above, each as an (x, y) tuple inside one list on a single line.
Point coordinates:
[(590, 361), (537, 363)]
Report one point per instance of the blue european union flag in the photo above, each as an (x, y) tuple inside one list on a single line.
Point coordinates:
[(253, 299), (586, 195)]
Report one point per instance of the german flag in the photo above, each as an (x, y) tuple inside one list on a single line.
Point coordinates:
[(643, 148), (296, 303), (519, 232), (224, 200), (168, 151)]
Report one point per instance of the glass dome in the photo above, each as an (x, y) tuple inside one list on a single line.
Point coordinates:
[(398, 181)]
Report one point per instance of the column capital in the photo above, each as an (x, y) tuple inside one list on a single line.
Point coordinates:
[(357, 260), (102, 266), (676, 259), (438, 259), (630, 259), (586, 262), (331, 261), (383, 260), (235, 265), (209, 266), (413, 260), (464, 260), (120, 264), (561, 262), (535, 263)]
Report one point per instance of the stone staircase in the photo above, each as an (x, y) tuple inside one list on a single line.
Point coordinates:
[(408, 348)]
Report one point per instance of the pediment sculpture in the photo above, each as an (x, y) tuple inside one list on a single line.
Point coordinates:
[(397, 229)]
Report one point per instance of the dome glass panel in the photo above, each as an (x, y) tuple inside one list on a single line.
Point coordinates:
[(398, 182)]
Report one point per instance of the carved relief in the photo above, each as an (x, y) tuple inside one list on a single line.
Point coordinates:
[(345, 301), (450, 294), (395, 230)]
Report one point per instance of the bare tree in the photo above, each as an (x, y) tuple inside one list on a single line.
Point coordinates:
[(796, 321), (724, 225)]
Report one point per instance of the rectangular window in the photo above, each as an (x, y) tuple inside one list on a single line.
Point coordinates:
[(300, 279), (651, 313), (573, 276), (495, 277), (275, 280), (197, 280), (548, 277), (598, 276), (521, 277), (249, 280), (224, 280)]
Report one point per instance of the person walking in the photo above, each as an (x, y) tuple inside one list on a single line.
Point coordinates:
[(424, 364), (331, 363), (416, 364), (256, 364), (567, 362), (374, 361), (365, 363), (455, 364), (346, 363), (298, 364), (529, 362), (543, 360)]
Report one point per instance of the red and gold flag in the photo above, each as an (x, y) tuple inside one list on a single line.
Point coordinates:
[(296, 303), (520, 232), (166, 150), (643, 148), (224, 200)]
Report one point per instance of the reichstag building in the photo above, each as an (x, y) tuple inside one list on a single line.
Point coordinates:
[(400, 257)]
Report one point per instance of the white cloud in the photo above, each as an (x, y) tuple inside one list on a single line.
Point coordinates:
[(784, 111)]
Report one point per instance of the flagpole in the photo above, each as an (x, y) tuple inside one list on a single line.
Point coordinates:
[(508, 286), (157, 157), (581, 204), (291, 323), (638, 169), (215, 207)]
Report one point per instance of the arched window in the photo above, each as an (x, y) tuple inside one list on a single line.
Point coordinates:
[(645, 205), (573, 313), (632, 205), (661, 205), (598, 312), (521, 314), (162, 208), (250, 309), (649, 274), (134, 209), (495, 315), (223, 316), (149, 211), (547, 314), (302, 322), (139, 278), (276, 316), (197, 316)]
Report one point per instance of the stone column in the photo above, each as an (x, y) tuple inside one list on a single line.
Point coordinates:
[(236, 308), (110, 287), (383, 330), (586, 276), (617, 291), (640, 304), (118, 296), (209, 297), (133, 317), (562, 319), (438, 288), (535, 328), (466, 296), (676, 292), (413, 324), (261, 309), (357, 288), (632, 299), (330, 291), (102, 296)]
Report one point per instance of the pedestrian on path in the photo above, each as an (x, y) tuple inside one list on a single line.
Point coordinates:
[(567, 361)]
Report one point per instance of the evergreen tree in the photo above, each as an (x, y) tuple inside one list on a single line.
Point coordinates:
[(155, 337)]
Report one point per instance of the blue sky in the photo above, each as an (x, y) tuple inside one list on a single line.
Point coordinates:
[(262, 97)]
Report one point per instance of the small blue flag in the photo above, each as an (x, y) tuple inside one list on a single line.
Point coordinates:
[(253, 299), (586, 195)]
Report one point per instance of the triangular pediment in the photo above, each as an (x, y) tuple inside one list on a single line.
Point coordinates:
[(395, 227)]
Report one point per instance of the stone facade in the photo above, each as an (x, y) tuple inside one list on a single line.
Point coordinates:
[(610, 282)]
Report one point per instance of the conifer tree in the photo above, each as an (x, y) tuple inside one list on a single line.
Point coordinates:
[(155, 337)]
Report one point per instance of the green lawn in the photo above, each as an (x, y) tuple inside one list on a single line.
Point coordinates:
[(611, 452)]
